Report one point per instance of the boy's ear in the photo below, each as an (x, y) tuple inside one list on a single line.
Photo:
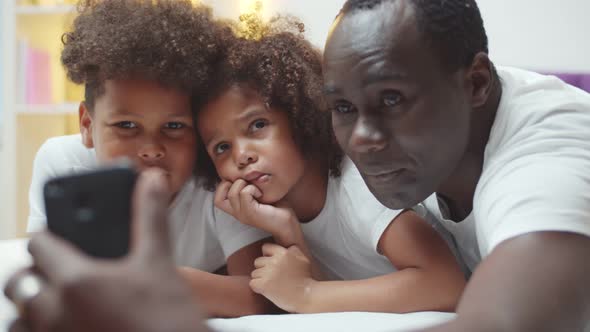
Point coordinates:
[(85, 125)]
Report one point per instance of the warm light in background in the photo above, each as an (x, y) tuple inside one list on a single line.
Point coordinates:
[(250, 6)]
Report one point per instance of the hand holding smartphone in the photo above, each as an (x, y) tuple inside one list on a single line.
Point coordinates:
[(92, 210)]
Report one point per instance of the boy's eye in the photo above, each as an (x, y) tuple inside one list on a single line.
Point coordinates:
[(258, 124), (221, 148), (343, 108), (391, 98), (126, 125), (174, 125)]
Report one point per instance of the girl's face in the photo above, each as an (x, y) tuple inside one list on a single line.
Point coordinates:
[(247, 140), (145, 122)]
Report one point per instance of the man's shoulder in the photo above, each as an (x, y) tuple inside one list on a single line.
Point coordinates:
[(525, 88)]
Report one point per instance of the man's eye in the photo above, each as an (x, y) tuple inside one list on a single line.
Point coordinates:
[(343, 108), (258, 124), (174, 125), (126, 125), (221, 148), (391, 98)]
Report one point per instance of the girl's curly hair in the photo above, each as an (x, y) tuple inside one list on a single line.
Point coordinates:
[(170, 41), (285, 70)]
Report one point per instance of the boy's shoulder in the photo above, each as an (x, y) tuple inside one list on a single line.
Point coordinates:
[(66, 152)]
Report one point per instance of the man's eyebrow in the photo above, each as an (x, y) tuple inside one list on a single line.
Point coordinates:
[(370, 79), (331, 90), (381, 77)]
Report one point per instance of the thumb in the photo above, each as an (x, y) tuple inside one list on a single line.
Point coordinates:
[(150, 215)]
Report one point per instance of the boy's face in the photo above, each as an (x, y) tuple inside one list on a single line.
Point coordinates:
[(247, 140), (150, 124)]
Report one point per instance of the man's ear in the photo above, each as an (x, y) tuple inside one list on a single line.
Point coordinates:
[(480, 77), (85, 125)]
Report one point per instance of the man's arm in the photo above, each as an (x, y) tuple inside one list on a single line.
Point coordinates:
[(535, 282)]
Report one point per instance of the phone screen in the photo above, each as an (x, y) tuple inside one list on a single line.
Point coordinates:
[(92, 210)]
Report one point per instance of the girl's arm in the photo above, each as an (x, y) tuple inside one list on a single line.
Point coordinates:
[(428, 277), (229, 296)]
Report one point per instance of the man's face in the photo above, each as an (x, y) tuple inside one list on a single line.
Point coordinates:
[(397, 113), (150, 124)]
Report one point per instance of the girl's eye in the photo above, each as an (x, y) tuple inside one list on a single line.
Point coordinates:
[(221, 148), (343, 108), (391, 98), (174, 125), (258, 124), (126, 125)]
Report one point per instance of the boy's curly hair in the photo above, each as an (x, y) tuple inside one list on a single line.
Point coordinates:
[(170, 41), (285, 70)]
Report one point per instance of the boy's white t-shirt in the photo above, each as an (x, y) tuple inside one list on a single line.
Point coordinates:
[(536, 171), (343, 238), (202, 235)]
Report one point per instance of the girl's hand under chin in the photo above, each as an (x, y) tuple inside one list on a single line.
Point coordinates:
[(239, 199)]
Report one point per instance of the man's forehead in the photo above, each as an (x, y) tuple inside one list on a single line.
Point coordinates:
[(369, 31)]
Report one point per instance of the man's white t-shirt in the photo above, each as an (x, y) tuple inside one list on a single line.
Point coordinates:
[(536, 171), (202, 236), (343, 238)]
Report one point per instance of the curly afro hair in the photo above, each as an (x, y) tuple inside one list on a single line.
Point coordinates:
[(285, 70), (170, 41)]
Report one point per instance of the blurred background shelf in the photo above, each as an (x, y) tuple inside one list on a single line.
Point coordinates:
[(48, 109), (45, 9)]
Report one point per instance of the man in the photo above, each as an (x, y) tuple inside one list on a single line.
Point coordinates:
[(420, 109)]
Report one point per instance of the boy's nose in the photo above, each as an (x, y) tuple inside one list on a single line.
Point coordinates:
[(152, 152)]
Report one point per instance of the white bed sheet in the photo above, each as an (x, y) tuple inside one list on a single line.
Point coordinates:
[(13, 255)]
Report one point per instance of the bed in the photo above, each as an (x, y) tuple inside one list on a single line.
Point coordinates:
[(13, 255)]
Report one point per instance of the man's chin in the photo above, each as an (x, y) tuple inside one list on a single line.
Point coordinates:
[(396, 200)]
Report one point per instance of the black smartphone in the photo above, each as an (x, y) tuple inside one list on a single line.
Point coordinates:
[(92, 210)]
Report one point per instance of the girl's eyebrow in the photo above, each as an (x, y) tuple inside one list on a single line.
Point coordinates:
[(252, 112)]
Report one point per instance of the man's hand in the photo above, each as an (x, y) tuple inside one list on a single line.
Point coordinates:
[(283, 276), (141, 292), (239, 200)]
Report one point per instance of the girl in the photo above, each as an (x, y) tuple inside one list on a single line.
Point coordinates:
[(267, 143)]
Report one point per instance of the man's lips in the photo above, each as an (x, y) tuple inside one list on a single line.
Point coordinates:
[(384, 173)]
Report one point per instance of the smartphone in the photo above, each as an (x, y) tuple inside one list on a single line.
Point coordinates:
[(92, 210)]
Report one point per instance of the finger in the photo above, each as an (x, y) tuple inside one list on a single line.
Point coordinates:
[(295, 251), (221, 200), (43, 312), (271, 249), (234, 194), (252, 191), (150, 209), (9, 287), (261, 262), (256, 285), (258, 273), (19, 325), (55, 258)]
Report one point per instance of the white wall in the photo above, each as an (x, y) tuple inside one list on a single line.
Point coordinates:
[(545, 35)]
